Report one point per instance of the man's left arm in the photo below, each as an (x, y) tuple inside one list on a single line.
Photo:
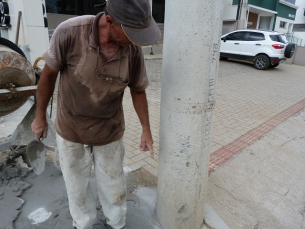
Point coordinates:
[(140, 104)]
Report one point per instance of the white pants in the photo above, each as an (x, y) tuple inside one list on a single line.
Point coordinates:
[(76, 163)]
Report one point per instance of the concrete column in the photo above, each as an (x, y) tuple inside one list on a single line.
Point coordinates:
[(190, 68)]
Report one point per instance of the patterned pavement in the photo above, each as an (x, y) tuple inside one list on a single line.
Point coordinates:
[(249, 103)]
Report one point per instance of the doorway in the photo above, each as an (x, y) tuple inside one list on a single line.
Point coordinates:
[(265, 22), (252, 20)]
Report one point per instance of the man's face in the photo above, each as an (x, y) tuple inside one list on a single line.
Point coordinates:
[(117, 35)]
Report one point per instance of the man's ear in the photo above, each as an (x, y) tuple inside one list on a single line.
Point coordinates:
[(109, 20)]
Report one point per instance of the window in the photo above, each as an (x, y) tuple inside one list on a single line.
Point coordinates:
[(256, 36), (283, 24), (275, 38), (238, 36), (290, 1), (278, 38)]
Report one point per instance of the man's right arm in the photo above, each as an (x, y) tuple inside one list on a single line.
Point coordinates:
[(45, 90)]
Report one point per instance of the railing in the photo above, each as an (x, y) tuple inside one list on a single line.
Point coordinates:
[(295, 39)]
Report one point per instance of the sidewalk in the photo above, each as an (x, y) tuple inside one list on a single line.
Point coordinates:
[(257, 155), (245, 99)]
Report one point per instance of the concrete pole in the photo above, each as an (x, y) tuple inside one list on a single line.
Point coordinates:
[(190, 68)]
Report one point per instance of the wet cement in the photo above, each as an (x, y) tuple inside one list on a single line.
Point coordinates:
[(11, 187), (29, 201)]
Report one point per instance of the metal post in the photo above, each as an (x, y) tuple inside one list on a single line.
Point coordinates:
[(18, 27), (190, 68)]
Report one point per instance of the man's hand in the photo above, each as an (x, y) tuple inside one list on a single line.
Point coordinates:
[(39, 128), (147, 142), (45, 90), (140, 104)]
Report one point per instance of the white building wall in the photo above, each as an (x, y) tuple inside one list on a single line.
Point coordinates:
[(300, 18), (286, 29), (230, 11), (33, 35), (229, 16)]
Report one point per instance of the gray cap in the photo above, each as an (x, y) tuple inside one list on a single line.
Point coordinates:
[(135, 18)]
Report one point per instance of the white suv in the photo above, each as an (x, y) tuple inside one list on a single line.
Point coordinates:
[(263, 48)]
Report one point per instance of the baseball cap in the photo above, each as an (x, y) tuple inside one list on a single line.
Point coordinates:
[(135, 18)]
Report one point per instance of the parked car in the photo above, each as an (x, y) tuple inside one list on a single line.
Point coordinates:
[(263, 48)]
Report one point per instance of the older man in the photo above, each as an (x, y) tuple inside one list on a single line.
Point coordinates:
[(97, 57)]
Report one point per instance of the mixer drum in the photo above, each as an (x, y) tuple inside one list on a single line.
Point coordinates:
[(15, 71)]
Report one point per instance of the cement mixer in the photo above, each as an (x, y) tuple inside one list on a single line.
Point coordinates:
[(17, 77), (18, 81)]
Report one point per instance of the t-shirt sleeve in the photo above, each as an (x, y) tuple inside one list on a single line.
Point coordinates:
[(55, 55), (138, 80)]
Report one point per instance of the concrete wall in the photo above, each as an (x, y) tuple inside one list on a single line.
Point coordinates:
[(55, 19), (298, 57), (230, 10), (228, 26), (300, 18), (229, 17)]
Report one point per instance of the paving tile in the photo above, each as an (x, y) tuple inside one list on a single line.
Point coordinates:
[(139, 157), (249, 103), (151, 169), (128, 161), (138, 165), (151, 161)]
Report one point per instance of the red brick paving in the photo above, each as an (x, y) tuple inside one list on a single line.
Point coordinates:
[(225, 153)]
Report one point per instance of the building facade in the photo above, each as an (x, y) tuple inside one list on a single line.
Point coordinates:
[(276, 15), (298, 32), (300, 16)]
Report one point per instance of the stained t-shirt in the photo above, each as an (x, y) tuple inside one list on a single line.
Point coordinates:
[(89, 106)]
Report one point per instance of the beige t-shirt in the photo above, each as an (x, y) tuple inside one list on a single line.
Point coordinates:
[(89, 106)]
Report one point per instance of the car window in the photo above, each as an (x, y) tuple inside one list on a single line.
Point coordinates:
[(253, 36), (275, 38), (237, 36), (284, 38), (278, 38)]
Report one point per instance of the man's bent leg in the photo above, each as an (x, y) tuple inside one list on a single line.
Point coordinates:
[(76, 164), (110, 181)]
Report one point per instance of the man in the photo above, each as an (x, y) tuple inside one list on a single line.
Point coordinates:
[(98, 57)]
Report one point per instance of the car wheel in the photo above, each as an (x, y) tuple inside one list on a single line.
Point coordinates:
[(274, 65), (289, 51), (261, 62), (223, 58)]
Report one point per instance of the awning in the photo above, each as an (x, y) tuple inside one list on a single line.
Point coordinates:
[(261, 9)]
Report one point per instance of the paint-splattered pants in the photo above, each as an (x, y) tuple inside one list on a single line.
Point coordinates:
[(76, 163)]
